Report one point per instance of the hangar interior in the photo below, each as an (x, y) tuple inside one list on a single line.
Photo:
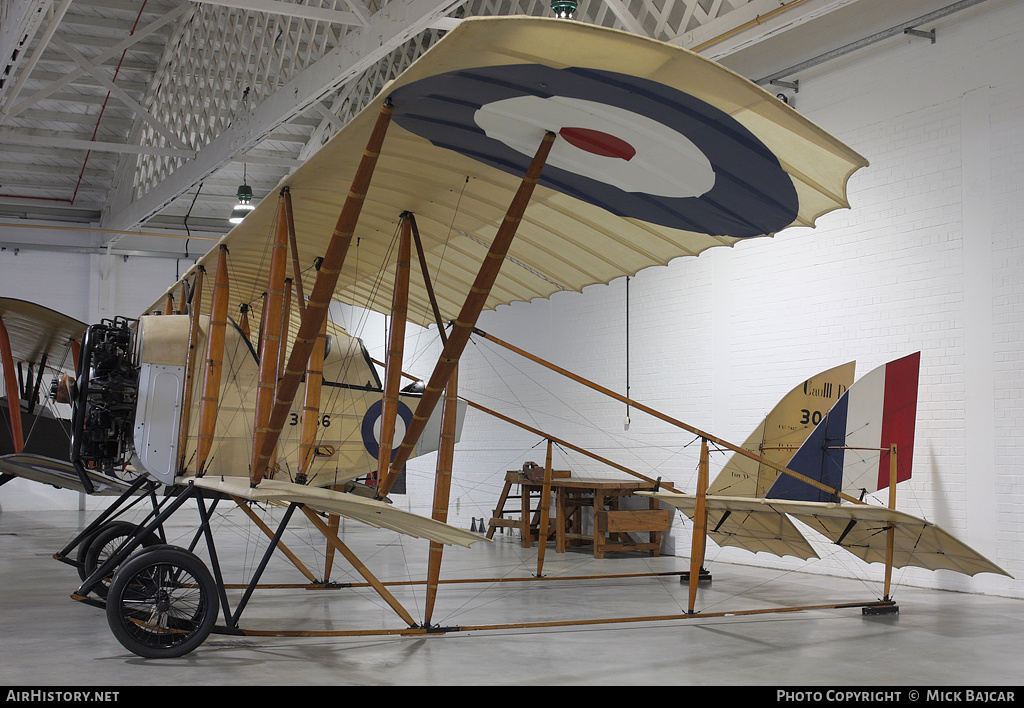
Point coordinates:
[(128, 126)]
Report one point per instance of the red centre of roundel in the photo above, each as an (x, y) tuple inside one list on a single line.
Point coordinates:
[(598, 143)]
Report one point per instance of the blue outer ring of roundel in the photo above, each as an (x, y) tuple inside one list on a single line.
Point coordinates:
[(370, 419), (752, 195)]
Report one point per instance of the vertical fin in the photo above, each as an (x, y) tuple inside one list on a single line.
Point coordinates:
[(848, 450), (782, 432)]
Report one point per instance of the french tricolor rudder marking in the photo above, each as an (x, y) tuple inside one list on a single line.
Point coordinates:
[(849, 449), (899, 415)]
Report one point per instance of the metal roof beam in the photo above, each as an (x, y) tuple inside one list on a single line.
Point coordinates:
[(8, 111), (99, 76), (289, 9), (390, 27), (51, 28), (8, 135)]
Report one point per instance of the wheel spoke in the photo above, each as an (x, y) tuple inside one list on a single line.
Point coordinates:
[(163, 603)]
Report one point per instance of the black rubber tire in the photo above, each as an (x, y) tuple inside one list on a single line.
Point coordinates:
[(83, 546), (162, 603), (103, 544)]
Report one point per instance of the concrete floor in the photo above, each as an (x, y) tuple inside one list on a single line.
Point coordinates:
[(937, 639)]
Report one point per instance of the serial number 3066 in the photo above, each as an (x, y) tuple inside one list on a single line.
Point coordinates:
[(324, 422)]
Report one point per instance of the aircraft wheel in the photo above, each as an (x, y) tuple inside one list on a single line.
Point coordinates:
[(162, 603), (83, 546), (105, 543)]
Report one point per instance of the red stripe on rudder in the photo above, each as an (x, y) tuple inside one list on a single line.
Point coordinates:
[(899, 416)]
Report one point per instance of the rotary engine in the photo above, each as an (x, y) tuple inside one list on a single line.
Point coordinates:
[(105, 400)]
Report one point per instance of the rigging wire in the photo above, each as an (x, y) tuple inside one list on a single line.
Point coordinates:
[(522, 557), (618, 446)]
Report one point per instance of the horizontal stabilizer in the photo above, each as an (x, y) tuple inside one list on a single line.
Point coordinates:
[(764, 525), (744, 522), (351, 506), (861, 529)]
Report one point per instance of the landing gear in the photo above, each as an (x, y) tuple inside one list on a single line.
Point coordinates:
[(162, 602), (95, 551)]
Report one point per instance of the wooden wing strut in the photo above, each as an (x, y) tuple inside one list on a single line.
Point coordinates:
[(470, 313), (271, 341), (195, 308), (396, 350), (212, 365), (442, 488), (323, 290), (11, 385)]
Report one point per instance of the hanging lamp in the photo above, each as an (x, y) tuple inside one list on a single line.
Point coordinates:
[(563, 9), (244, 205)]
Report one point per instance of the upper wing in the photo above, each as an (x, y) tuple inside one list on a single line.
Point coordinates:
[(661, 154), (35, 330)]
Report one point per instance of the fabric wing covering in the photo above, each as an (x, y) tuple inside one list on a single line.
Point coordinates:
[(352, 506), (35, 330), (661, 154), (60, 474), (744, 522), (761, 525), (861, 529)]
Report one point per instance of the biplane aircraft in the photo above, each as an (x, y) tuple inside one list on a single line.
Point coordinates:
[(518, 157), (36, 342)]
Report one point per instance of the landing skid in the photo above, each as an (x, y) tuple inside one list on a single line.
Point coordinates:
[(884, 607)]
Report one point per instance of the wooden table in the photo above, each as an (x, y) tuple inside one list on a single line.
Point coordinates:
[(611, 525)]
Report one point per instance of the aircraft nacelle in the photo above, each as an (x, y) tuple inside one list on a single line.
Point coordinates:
[(129, 400)]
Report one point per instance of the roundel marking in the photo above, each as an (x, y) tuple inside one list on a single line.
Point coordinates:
[(667, 164), (598, 143), (694, 167), (370, 428)]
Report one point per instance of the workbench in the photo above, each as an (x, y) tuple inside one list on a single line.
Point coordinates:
[(611, 524)]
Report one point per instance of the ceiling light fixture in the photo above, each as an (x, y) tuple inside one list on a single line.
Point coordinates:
[(244, 205), (563, 9)]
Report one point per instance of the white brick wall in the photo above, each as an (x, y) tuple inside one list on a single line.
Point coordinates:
[(928, 258)]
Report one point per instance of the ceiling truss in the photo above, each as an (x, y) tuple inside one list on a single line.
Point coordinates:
[(120, 119)]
